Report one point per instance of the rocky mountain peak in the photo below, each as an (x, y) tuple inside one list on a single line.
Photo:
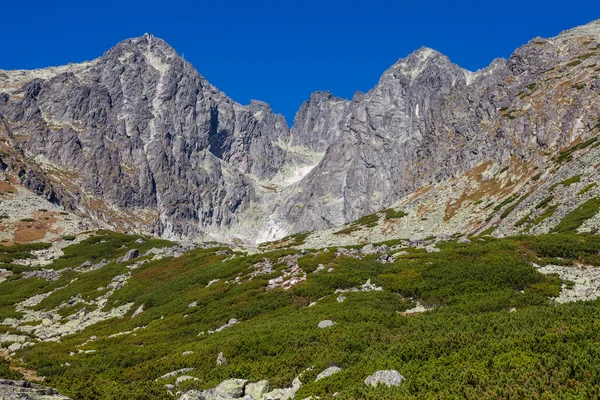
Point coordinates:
[(150, 145)]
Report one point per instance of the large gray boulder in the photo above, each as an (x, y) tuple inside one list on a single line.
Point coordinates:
[(385, 377), (326, 324), (257, 390), (231, 388)]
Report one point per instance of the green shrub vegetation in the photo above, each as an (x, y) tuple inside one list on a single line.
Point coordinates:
[(567, 155), (468, 346), (509, 209), (566, 182), (19, 251), (587, 189), (546, 214), (577, 217), (390, 213), (7, 373), (544, 202), (523, 220), (537, 176)]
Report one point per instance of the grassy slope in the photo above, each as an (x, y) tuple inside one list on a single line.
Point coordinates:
[(470, 346)]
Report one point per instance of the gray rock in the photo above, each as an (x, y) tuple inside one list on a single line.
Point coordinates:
[(23, 390), (231, 388), (175, 373), (221, 360), (192, 395), (257, 390), (328, 372), (368, 249), (325, 324), (14, 347), (145, 131), (432, 249), (130, 255), (463, 240), (385, 377)]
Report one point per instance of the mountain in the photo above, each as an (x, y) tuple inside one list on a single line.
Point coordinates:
[(137, 140)]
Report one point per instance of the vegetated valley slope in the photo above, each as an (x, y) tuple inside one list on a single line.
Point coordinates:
[(137, 140)]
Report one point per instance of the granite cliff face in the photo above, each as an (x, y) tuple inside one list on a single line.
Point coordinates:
[(138, 140)]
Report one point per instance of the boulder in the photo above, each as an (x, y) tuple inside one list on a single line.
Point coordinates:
[(432, 249), (386, 377), (221, 360), (328, 372), (368, 249), (191, 395), (257, 390), (463, 240), (130, 255), (14, 347), (326, 324), (231, 388)]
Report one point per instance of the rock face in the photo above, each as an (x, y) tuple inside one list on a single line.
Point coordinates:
[(137, 139)]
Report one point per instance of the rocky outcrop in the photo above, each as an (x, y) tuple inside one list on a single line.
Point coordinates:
[(137, 139), (23, 390)]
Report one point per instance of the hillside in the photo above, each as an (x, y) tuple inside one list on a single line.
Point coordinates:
[(476, 319)]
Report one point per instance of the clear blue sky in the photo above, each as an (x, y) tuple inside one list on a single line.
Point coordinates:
[(282, 51)]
